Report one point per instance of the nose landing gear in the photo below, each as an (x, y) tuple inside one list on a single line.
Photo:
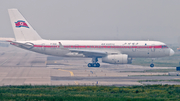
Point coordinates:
[(152, 65), (94, 63)]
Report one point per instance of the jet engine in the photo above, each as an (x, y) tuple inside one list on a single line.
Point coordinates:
[(116, 59)]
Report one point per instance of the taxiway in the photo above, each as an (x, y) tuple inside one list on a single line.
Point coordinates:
[(21, 67)]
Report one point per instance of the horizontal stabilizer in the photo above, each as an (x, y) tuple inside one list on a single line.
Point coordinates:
[(7, 39)]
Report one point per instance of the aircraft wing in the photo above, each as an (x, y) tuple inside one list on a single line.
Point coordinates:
[(90, 53)]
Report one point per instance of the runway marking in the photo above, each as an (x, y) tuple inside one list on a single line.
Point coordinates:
[(76, 82), (7, 60), (72, 74)]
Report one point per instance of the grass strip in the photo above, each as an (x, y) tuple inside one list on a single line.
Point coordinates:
[(90, 93)]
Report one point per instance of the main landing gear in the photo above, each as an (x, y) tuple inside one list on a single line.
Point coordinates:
[(94, 63), (152, 65)]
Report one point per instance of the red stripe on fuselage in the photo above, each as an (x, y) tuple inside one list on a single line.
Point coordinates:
[(71, 46)]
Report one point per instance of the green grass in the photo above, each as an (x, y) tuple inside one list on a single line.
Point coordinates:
[(90, 93)]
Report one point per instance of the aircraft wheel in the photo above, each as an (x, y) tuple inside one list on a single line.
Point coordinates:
[(94, 65), (152, 65), (90, 65), (97, 65)]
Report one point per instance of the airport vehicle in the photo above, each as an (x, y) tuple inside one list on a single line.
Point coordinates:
[(113, 52), (178, 49)]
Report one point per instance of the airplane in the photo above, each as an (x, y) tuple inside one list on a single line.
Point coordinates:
[(112, 52)]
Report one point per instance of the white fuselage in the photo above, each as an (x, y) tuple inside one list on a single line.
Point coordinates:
[(115, 52), (134, 49)]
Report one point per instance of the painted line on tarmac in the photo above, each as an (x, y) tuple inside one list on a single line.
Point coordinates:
[(72, 74), (76, 82), (7, 60)]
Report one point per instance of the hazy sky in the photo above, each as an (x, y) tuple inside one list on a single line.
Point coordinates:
[(97, 19)]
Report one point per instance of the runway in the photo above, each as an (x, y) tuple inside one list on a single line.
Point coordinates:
[(22, 67)]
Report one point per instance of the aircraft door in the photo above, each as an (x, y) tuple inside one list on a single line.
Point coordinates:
[(134, 48), (152, 49), (43, 47)]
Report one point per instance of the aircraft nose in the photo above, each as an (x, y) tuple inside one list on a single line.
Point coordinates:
[(171, 52)]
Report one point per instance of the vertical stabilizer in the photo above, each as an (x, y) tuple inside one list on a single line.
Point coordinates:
[(22, 29)]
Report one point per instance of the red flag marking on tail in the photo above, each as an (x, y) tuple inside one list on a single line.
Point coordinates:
[(21, 23)]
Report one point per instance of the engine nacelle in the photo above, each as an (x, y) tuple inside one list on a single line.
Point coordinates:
[(116, 59)]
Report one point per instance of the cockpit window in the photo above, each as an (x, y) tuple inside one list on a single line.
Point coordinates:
[(164, 46)]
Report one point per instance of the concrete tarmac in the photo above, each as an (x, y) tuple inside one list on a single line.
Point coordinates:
[(22, 67)]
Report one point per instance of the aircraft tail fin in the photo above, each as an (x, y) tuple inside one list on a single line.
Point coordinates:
[(22, 29)]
